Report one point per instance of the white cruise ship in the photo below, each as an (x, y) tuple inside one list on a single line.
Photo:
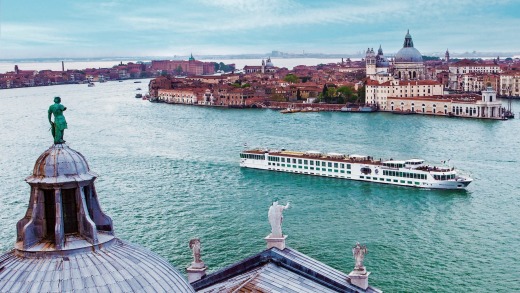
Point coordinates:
[(413, 173)]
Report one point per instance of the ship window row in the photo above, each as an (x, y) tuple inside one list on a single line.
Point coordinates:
[(394, 165), (274, 159), (310, 162), (444, 177), (404, 174), (252, 156), (309, 168)]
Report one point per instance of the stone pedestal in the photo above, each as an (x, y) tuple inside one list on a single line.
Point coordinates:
[(278, 242), (196, 271), (359, 278)]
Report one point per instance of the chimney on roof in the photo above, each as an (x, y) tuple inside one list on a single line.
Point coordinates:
[(62, 66)]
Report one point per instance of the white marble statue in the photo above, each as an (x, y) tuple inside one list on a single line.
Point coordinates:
[(359, 252), (195, 248), (275, 218)]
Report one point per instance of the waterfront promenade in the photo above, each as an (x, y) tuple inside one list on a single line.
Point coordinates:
[(182, 163)]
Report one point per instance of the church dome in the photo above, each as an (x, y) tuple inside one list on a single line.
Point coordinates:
[(60, 163), (382, 62), (408, 53), (117, 267)]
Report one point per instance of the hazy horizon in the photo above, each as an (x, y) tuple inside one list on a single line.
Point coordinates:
[(114, 28)]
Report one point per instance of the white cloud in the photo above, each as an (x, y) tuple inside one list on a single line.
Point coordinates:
[(26, 33), (237, 16)]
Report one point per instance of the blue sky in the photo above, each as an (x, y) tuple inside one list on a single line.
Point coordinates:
[(67, 28)]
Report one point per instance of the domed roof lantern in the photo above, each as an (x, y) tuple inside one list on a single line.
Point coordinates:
[(408, 43), (63, 204), (380, 51)]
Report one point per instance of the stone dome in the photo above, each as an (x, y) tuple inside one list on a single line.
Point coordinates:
[(60, 163), (382, 62), (269, 63), (117, 267), (408, 54)]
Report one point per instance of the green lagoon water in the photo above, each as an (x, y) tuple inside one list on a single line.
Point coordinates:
[(168, 173)]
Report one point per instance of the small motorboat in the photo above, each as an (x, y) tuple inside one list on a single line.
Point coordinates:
[(290, 110)]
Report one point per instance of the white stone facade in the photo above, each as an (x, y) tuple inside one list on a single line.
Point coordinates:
[(476, 82), (510, 84), (469, 105), (175, 96), (458, 70), (377, 93)]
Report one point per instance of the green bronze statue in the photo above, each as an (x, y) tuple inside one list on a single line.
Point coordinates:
[(60, 124)]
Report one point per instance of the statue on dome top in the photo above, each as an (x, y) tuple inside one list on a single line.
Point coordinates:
[(60, 124)]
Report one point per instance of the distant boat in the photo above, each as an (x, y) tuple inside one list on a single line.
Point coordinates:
[(138, 89), (120, 80), (137, 81), (290, 110), (138, 96), (348, 109), (366, 109), (91, 84), (363, 109), (309, 109)]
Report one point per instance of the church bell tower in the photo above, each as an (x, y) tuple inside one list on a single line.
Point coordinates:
[(370, 62)]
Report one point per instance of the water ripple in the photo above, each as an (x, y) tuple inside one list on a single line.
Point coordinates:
[(169, 173)]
